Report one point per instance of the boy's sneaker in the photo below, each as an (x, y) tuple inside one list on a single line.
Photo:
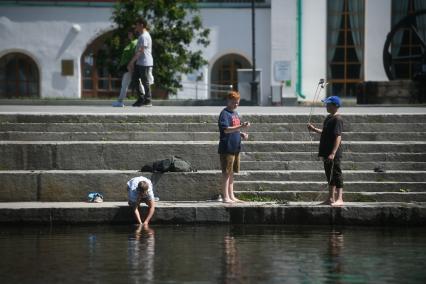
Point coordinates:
[(218, 198), (118, 104)]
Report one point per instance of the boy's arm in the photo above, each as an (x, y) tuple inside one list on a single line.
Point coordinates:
[(236, 128), (151, 210), (335, 147), (137, 214), (314, 129)]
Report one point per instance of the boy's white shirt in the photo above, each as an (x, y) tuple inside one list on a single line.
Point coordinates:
[(132, 186)]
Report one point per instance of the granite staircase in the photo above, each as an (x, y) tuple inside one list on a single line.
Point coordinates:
[(63, 157)]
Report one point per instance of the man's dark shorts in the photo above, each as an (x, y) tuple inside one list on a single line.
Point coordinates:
[(337, 177)]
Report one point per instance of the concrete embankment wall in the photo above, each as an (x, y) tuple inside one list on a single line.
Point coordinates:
[(52, 157), (299, 213)]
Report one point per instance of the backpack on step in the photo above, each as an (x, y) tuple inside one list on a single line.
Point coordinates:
[(180, 165), (173, 164)]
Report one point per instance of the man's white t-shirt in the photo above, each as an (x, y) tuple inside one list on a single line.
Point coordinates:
[(132, 186), (146, 58)]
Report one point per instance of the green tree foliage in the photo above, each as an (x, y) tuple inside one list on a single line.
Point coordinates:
[(174, 25)]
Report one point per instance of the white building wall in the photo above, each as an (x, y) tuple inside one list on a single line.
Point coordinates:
[(377, 26), (284, 40), (230, 32), (46, 34), (314, 45)]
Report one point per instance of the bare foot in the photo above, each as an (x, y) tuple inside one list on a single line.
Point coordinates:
[(237, 200), (228, 201), (337, 203)]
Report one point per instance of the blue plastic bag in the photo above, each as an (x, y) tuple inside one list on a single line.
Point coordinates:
[(95, 197)]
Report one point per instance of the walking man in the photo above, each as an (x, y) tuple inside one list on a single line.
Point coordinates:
[(143, 63)]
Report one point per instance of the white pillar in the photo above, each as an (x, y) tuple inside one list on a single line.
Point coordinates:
[(314, 45), (284, 40), (377, 26)]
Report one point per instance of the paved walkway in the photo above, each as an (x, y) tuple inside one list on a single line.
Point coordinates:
[(215, 110)]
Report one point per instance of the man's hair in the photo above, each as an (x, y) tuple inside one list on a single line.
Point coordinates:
[(142, 21), (143, 186), (233, 95)]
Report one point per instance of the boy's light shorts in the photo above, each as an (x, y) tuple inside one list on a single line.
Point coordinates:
[(230, 163)]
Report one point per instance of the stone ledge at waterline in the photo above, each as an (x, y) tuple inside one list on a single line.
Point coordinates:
[(301, 213)]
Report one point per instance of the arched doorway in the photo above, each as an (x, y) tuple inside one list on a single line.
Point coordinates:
[(224, 74), (19, 76), (97, 78)]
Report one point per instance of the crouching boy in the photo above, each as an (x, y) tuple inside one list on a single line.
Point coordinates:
[(139, 189)]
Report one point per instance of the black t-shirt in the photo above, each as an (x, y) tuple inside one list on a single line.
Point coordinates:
[(229, 143), (333, 127)]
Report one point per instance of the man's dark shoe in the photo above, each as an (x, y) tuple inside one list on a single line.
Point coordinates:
[(138, 103), (147, 103)]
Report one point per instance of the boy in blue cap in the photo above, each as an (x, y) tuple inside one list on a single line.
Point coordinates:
[(330, 150)]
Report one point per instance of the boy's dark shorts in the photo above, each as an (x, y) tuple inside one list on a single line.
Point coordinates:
[(230, 163), (337, 177)]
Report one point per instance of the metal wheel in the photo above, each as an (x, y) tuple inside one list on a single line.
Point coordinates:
[(389, 60)]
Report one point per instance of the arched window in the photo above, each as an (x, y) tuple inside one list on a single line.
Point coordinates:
[(224, 74), (97, 79), (19, 76)]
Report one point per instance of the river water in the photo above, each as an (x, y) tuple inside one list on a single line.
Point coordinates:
[(211, 254)]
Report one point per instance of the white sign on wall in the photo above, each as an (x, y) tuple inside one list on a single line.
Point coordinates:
[(282, 71)]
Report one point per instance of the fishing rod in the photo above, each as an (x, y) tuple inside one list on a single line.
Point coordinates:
[(320, 86)]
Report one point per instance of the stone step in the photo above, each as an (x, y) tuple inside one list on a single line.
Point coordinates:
[(315, 196), (349, 186), (70, 186), (347, 156), (346, 165), (318, 175), (38, 155), (134, 154), (413, 126), (197, 118), (200, 136)]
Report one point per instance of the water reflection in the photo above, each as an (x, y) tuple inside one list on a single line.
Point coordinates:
[(212, 254), (334, 262), (232, 264), (141, 252)]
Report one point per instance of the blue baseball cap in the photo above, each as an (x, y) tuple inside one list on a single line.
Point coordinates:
[(333, 100)]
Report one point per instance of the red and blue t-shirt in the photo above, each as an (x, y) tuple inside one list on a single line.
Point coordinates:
[(229, 143)]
